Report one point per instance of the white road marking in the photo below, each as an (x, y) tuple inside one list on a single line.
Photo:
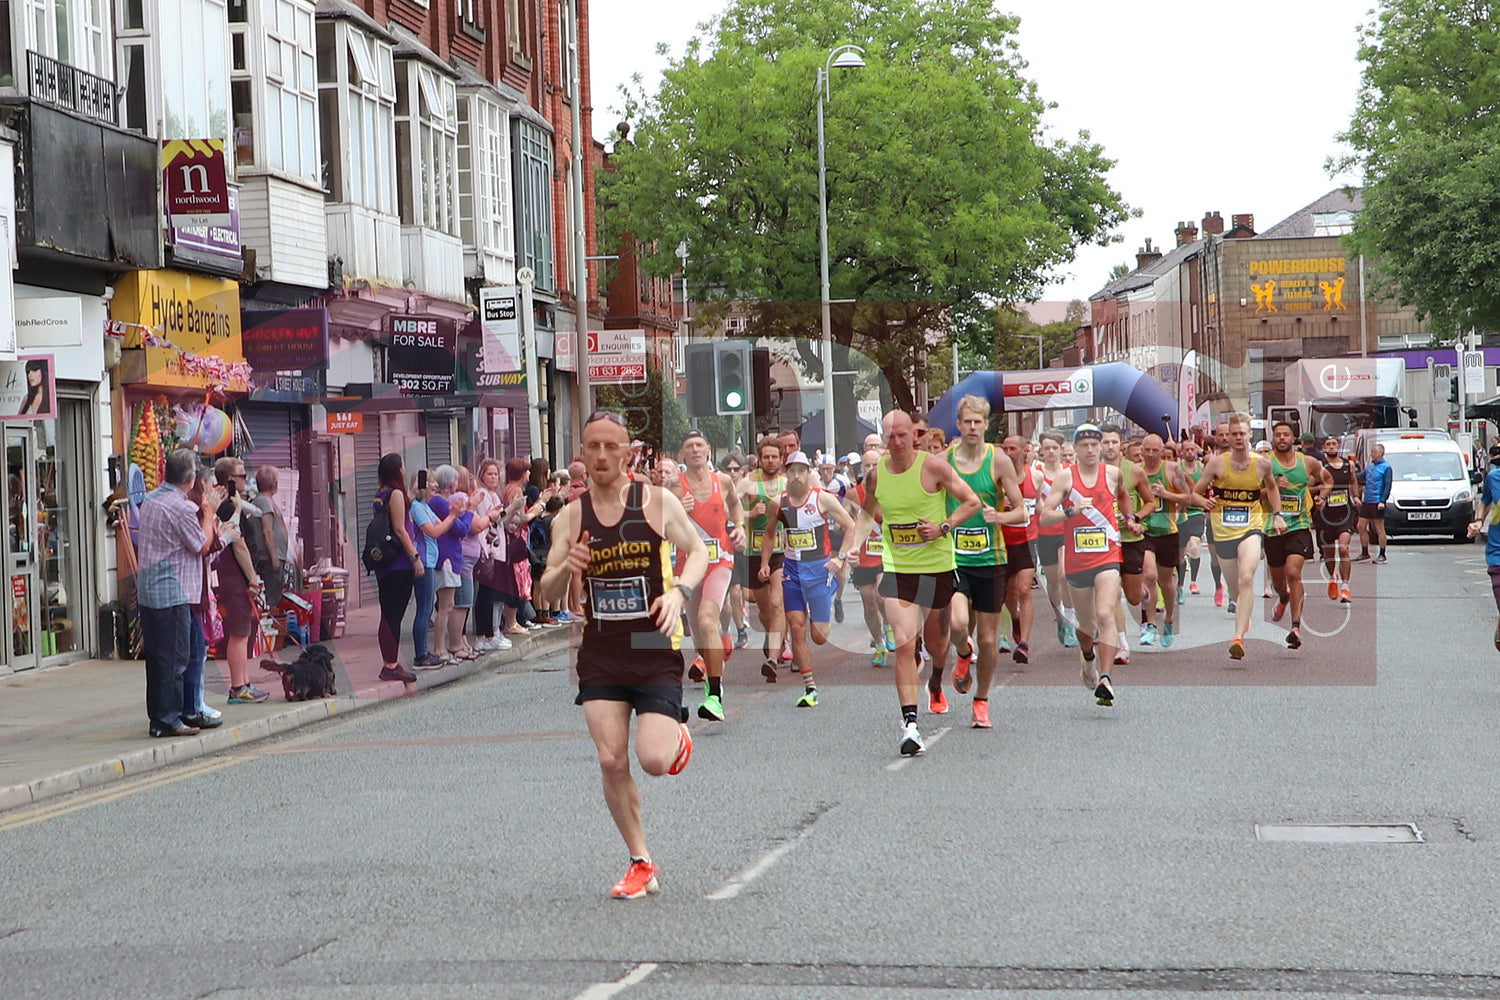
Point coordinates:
[(603, 991), (931, 741), (732, 888)]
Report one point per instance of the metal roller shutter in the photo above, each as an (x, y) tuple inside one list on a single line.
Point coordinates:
[(272, 432), (366, 484), (439, 439)]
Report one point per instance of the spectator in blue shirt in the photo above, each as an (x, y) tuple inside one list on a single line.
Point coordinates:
[(1487, 519), (1378, 478)]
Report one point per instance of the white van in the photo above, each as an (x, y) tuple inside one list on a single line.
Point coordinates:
[(1430, 489)]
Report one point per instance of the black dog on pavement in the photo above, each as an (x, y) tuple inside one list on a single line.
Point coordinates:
[(307, 677)]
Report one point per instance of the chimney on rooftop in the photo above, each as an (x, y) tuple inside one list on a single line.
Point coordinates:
[(1186, 233), (1241, 226), (1146, 255), (1213, 224)]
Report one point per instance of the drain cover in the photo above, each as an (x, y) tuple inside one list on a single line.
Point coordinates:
[(1340, 833)]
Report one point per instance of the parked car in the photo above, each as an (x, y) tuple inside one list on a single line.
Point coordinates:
[(1430, 489)]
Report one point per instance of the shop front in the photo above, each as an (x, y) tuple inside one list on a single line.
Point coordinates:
[(51, 401), (182, 366)]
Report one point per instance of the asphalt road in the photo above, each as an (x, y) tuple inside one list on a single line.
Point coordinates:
[(456, 845)]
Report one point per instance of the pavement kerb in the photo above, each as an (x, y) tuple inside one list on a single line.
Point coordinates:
[(161, 753)]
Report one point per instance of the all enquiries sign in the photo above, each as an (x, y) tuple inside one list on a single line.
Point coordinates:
[(617, 357)]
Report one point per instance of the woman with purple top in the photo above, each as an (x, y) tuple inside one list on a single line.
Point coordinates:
[(451, 506), (394, 582)]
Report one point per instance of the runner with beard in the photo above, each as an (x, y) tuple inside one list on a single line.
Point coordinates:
[(1132, 542), (1335, 519), (1301, 482), (613, 542), (1191, 529), (755, 494), (1171, 489)]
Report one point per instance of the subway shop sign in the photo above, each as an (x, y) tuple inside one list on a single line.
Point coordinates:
[(1048, 390)]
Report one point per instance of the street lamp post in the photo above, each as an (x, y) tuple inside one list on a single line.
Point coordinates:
[(842, 57)]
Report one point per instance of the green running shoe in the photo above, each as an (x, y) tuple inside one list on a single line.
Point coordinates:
[(890, 638), (1168, 634), (809, 699), (712, 709)]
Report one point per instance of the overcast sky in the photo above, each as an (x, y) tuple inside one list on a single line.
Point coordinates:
[(1205, 107)]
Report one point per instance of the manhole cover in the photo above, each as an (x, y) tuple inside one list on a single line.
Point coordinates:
[(1340, 833)]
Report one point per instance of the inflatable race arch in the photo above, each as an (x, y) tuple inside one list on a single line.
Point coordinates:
[(1131, 391)]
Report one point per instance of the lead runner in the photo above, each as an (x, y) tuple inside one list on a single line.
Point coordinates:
[(614, 541)]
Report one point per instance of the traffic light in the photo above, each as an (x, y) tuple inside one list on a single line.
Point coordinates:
[(731, 378), (698, 377), (1453, 389), (760, 364)]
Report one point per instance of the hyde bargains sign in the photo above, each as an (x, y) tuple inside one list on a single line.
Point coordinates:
[(421, 356), (1049, 390)]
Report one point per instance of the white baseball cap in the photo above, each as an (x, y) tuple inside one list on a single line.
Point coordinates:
[(797, 458)]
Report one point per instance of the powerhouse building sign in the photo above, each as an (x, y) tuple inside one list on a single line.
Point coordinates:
[(1302, 284)]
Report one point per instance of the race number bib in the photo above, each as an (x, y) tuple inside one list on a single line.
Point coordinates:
[(801, 539), (1291, 503), (906, 535), (618, 600), (1236, 517), (874, 545), (1338, 498), (971, 540), (712, 544), (1031, 506), (1090, 540)]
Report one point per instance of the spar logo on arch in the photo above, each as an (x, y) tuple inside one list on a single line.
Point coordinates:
[(1043, 390)]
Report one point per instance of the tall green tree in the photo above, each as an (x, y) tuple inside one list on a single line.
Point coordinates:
[(946, 190), (1426, 138)]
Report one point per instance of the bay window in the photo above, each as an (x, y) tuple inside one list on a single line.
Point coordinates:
[(427, 147), (484, 175), (275, 86), (357, 97)]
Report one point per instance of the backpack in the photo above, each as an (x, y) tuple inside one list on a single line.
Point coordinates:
[(539, 539), (254, 533), (380, 548)]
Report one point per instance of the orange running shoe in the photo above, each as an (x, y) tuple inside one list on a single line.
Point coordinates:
[(1237, 648), (1333, 588), (936, 703), (696, 671), (639, 880), (1345, 597), (684, 750), (981, 714), (963, 673)]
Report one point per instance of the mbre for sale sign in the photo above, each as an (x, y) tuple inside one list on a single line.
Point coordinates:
[(421, 355)]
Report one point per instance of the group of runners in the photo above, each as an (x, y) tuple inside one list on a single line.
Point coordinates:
[(941, 543)]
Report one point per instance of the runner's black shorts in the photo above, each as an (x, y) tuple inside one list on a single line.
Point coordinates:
[(1293, 543), (1086, 577), (984, 586), (1019, 557), (1168, 549), (1047, 549), (1193, 527), (930, 590), (663, 699), (1133, 557), (1330, 536), (863, 576), (741, 569), (775, 564), (1231, 548)]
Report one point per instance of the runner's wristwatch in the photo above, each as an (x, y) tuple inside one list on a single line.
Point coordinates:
[(687, 593), (945, 528)]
